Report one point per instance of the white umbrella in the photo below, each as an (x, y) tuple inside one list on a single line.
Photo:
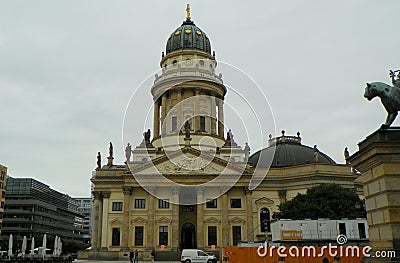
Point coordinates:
[(44, 245), (59, 246), (10, 245), (33, 246), (23, 248), (55, 246)]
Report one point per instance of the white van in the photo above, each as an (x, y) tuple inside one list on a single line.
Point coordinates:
[(196, 256)]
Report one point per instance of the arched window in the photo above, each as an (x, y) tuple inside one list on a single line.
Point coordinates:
[(265, 220)]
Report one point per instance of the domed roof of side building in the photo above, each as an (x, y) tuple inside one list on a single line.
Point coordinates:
[(288, 151)]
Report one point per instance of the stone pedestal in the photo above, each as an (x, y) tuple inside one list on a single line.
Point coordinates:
[(378, 160)]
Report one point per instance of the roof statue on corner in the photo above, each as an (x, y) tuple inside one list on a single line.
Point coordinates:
[(390, 96)]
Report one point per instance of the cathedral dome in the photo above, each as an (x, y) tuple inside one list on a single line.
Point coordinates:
[(288, 152), (188, 36)]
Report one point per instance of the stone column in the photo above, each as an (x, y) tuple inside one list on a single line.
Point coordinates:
[(196, 110), (150, 222), (221, 117), (378, 160), (163, 114), (104, 227), (179, 110), (127, 191), (175, 222), (224, 220), (200, 217), (249, 214), (156, 119), (95, 219), (100, 226), (213, 116)]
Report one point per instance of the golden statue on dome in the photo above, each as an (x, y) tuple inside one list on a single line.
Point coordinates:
[(188, 12)]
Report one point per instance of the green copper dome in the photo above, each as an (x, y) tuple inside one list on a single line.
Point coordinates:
[(188, 36)]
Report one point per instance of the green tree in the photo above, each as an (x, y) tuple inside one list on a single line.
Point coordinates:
[(323, 201)]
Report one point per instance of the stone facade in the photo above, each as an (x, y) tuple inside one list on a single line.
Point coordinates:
[(116, 184), (378, 160), (147, 203)]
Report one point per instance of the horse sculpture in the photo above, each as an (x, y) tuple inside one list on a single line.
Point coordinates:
[(390, 98)]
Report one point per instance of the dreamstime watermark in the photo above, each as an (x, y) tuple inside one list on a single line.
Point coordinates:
[(193, 116), (333, 250)]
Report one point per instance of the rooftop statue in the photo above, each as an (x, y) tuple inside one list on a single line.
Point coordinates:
[(111, 150), (128, 152), (187, 129), (390, 97), (98, 160), (147, 136)]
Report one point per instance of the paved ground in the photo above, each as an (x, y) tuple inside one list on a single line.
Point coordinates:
[(127, 261)]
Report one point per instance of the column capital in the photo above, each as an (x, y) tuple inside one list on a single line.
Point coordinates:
[(246, 191), (223, 189), (200, 190), (97, 195), (175, 190), (282, 193), (106, 194), (127, 190)]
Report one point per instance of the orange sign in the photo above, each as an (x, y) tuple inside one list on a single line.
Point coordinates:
[(291, 235)]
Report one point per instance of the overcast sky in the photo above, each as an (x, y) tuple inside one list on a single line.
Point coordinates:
[(68, 69)]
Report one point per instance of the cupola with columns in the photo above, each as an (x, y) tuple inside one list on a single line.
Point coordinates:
[(188, 91)]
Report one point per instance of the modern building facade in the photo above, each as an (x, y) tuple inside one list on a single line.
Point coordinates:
[(33, 209), (3, 179), (85, 208), (158, 199)]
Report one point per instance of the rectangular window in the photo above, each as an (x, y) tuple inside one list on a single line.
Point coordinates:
[(202, 123), (236, 235), (342, 229), (361, 230), (140, 203), (163, 203), (188, 209), (115, 239), (212, 235), (236, 203), (138, 236), (211, 203), (174, 123), (117, 206), (163, 235)]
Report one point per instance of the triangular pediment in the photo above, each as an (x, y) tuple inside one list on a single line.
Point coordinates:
[(139, 219), (190, 161), (163, 220), (115, 221), (264, 201), (237, 220), (212, 220)]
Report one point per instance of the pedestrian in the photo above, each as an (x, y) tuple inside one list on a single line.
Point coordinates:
[(152, 255), (131, 256), (136, 257)]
